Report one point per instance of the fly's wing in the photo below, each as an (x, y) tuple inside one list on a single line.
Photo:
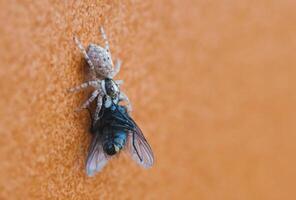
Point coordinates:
[(137, 145), (96, 158), (139, 148)]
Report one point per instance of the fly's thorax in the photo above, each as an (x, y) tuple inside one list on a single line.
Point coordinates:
[(101, 59), (113, 141)]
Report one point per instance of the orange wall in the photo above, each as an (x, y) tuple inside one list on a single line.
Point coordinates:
[(212, 86)]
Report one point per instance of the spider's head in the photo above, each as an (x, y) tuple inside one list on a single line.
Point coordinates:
[(100, 57), (110, 88)]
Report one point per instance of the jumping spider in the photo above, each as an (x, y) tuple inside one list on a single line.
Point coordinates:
[(100, 65)]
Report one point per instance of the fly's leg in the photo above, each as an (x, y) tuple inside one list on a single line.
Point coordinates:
[(82, 50), (98, 107), (123, 97), (83, 86), (91, 99), (91, 121)]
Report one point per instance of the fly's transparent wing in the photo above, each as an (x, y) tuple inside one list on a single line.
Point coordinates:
[(139, 148), (96, 158)]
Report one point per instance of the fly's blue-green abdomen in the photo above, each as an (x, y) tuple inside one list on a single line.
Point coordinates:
[(114, 142), (120, 139)]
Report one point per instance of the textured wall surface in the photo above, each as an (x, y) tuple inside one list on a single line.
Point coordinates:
[(212, 86)]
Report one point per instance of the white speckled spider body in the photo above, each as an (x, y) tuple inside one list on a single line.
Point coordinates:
[(101, 65)]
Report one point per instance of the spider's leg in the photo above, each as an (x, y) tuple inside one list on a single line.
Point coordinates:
[(123, 97), (119, 82), (98, 108), (82, 50), (88, 101), (116, 68), (95, 84), (107, 47)]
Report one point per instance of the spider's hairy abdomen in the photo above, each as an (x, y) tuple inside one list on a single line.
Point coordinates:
[(101, 59)]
